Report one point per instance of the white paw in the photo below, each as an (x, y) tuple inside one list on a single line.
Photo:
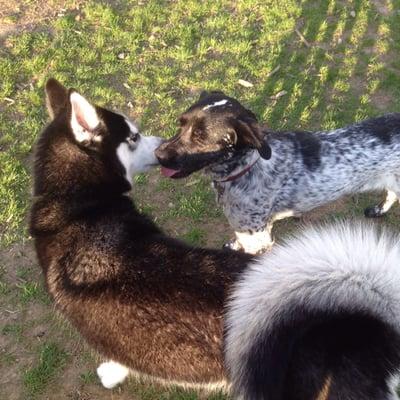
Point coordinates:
[(111, 374), (254, 242), (233, 245), (256, 248)]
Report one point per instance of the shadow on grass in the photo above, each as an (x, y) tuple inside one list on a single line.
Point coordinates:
[(326, 76)]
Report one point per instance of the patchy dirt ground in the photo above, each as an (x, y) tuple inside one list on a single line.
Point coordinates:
[(25, 15)]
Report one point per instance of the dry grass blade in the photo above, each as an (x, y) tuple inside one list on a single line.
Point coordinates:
[(244, 83), (302, 38)]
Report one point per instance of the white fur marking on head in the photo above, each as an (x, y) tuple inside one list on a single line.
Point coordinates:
[(216, 104), (112, 373), (139, 159), (125, 155), (84, 118), (132, 126)]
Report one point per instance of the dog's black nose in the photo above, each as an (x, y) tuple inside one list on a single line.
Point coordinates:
[(161, 152)]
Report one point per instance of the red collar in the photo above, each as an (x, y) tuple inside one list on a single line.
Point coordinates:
[(239, 174)]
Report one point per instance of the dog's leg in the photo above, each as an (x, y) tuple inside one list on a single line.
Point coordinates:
[(254, 242), (383, 207), (233, 244), (112, 373)]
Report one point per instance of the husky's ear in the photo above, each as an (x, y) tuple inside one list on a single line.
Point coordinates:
[(247, 133), (84, 118), (56, 97)]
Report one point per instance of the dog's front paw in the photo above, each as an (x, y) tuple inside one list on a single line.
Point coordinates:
[(233, 245), (111, 374)]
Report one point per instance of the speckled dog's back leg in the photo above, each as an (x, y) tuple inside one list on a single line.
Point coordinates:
[(382, 208), (392, 195), (392, 184)]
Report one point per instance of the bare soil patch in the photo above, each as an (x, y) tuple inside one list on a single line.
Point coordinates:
[(25, 15), (382, 7)]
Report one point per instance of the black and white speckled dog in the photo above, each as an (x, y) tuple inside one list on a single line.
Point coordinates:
[(261, 176)]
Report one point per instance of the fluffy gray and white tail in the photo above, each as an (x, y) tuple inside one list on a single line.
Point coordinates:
[(318, 318)]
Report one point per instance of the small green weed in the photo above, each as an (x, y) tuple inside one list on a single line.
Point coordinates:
[(195, 236), (15, 331), (88, 377), (7, 359), (140, 179), (51, 360), (32, 291)]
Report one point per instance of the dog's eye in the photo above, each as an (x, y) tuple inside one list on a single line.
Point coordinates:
[(182, 121), (197, 132), (132, 139)]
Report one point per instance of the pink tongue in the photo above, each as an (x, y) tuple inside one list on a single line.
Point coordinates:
[(168, 172)]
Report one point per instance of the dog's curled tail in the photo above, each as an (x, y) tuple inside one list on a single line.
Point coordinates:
[(318, 318)]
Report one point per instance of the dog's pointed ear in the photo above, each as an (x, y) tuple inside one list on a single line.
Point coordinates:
[(247, 133), (84, 119), (56, 97)]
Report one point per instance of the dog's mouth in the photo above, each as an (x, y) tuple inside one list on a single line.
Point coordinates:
[(187, 164), (173, 173)]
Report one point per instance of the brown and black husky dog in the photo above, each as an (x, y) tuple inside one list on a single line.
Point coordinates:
[(318, 317)]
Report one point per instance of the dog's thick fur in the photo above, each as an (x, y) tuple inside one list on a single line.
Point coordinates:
[(300, 322), (285, 173), (310, 320)]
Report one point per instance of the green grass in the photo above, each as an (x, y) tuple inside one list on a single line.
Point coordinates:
[(195, 236), (23, 273), (151, 59), (13, 330), (173, 50), (140, 179), (4, 287), (197, 204), (28, 289), (88, 377), (32, 291), (7, 359), (51, 359)]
